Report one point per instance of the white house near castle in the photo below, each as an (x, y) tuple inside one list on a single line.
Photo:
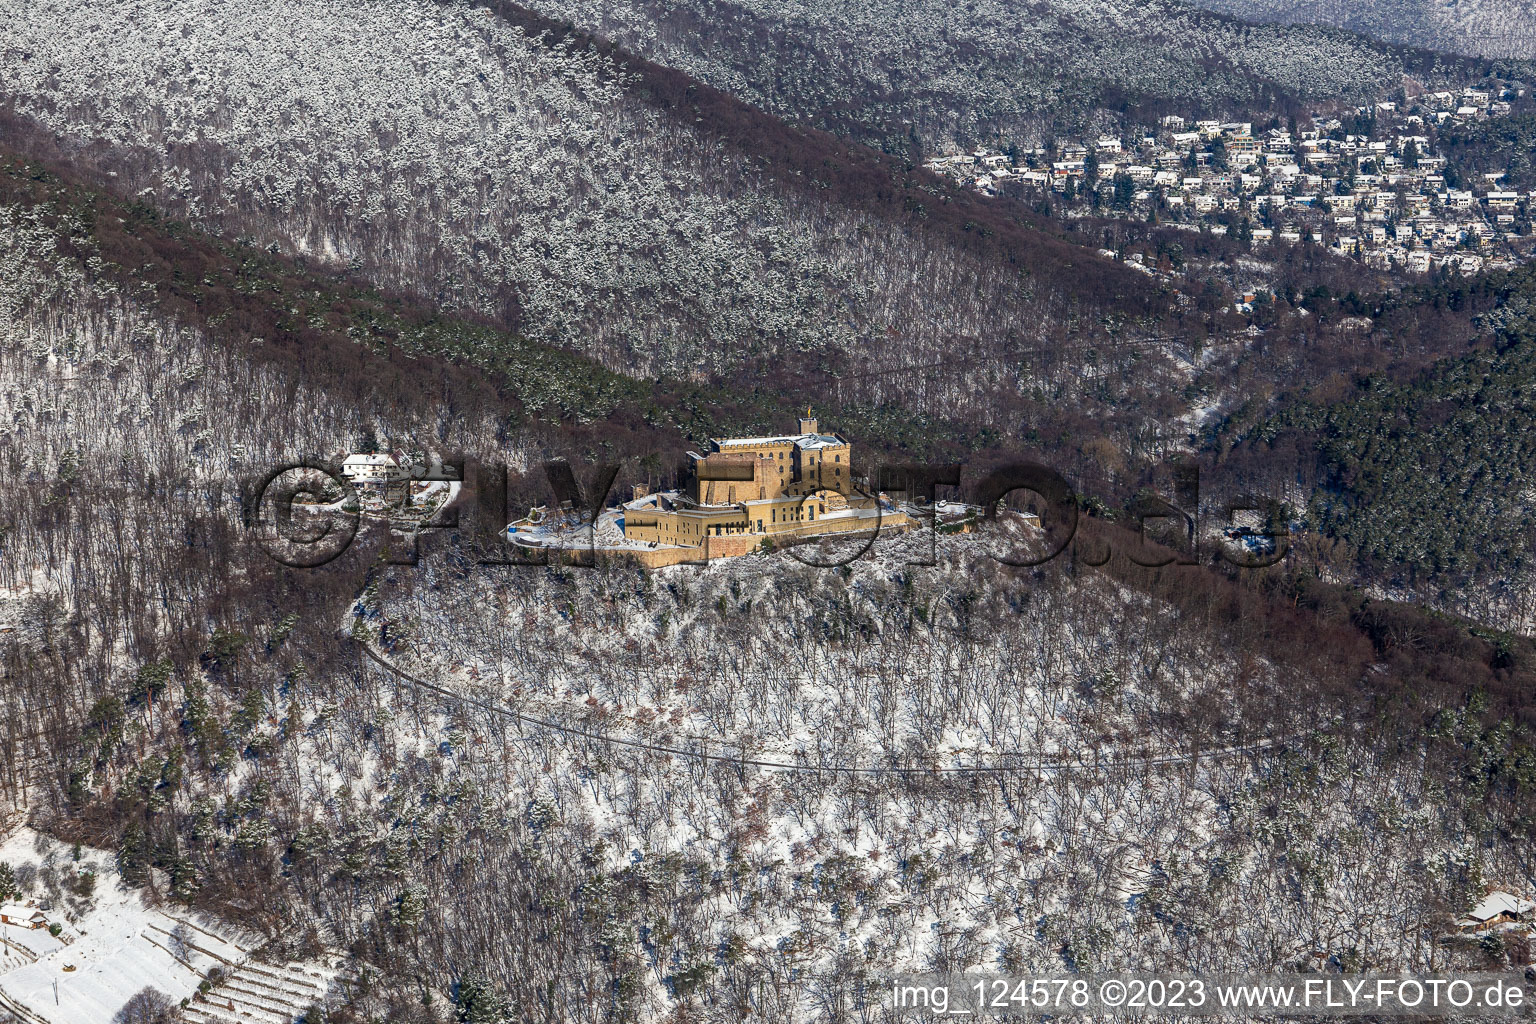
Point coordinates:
[(375, 475)]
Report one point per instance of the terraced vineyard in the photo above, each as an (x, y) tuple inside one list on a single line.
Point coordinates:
[(258, 993)]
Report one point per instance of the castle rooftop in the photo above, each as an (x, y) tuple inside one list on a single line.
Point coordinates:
[(798, 440)]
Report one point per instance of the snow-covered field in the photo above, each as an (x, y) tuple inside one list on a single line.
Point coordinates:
[(111, 945)]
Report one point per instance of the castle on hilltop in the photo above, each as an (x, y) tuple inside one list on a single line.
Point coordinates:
[(747, 489)]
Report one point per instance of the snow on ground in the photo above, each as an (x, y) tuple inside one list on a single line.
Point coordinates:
[(111, 945), (568, 531), (1198, 415), (258, 993), (571, 531), (824, 706)]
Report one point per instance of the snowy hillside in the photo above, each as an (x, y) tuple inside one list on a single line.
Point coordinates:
[(918, 694), (812, 771), (942, 73), (111, 945), (555, 771), (418, 783), (1483, 28), (444, 150)]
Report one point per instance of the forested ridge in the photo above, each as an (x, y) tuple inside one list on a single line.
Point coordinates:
[(915, 78), (387, 349), (1423, 478), (197, 712), (695, 240), (598, 219), (1478, 27), (750, 790), (395, 349)]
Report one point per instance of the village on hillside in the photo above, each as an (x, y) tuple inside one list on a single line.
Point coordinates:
[(1367, 184)]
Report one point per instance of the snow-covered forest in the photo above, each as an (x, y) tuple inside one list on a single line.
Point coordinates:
[(448, 152), (939, 75), (443, 150), (1506, 28), (237, 236), (690, 876), (546, 778)]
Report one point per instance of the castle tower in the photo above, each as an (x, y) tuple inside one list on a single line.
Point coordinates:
[(807, 422)]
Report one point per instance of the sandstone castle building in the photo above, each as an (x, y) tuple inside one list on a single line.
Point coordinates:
[(746, 489)]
